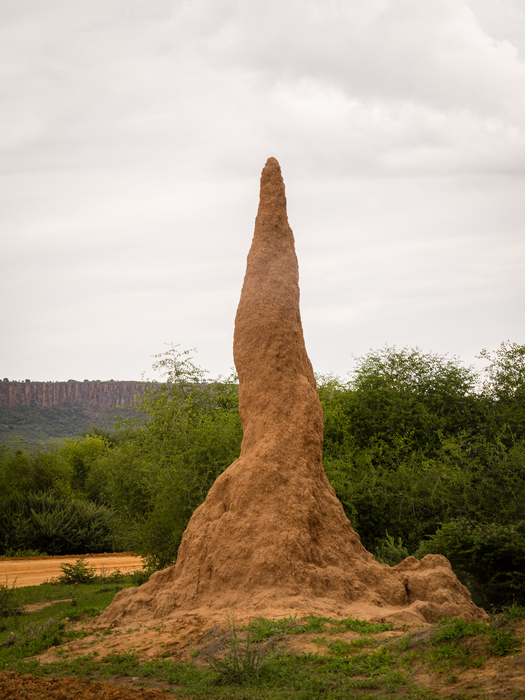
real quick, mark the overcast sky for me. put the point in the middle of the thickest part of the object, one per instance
(133, 134)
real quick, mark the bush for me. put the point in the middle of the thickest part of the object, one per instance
(244, 663)
(79, 572)
(8, 602)
(489, 558)
(54, 524)
(391, 553)
(21, 553)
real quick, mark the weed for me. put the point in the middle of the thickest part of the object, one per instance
(8, 600)
(503, 643)
(79, 572)
(261, 628)
(75, 615)
(453, 630)
(338, 647)
(447, 644)
(514, 612)
(362, 626)
(244, 662)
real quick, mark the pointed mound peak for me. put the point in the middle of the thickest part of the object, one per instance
(272, 195)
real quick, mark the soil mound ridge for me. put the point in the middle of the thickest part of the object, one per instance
(271, 537)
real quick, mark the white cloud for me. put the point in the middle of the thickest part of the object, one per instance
(132, 138)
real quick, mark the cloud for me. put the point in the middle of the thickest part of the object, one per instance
(133, 133)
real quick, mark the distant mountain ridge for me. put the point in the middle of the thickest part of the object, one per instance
(89, 394)
(36, 413)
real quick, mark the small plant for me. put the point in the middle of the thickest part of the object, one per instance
(244, 662)
(448, 641)
(453, 630)
(261, 628)
(514, 612)
(338, 647)
(362, 626)
(391, 552)
(504, 643)
(79, 572)
(15, 553)
(8, 603)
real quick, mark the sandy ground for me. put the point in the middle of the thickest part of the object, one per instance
(34, 571)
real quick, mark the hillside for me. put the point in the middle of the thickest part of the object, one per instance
(36, 412)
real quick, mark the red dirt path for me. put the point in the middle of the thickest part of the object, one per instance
(36, 570)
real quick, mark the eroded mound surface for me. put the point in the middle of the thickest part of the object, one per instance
(272, 538)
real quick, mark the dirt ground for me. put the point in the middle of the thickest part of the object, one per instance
(36, 570)
(199, 638)
(499, 678)
(14, 685)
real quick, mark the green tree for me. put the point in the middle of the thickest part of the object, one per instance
(185, 433)
(505, 386)
(410, 443)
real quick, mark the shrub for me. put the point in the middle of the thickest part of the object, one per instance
(79, 572)
(54, 524)
(8, 602)
(489, 558)
(391, 553)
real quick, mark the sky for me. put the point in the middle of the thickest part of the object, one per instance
(132, 138)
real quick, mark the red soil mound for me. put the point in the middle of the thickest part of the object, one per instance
(14, 685)
(272, 538)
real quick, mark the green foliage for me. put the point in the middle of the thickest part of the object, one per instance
(23, 472)
(453, 630)
(411, 443)
(31, 427)
(514, 612)
(54, 524)
(31, 633)
(489, 557)
(8, 600)
(399, 399)
(389, 552)
(79, 457)
(21, 553)
(79, 572)
(261, 628)
(504, 643)
(448, 641)
(505, 386)
(184, 435)
(244, 663)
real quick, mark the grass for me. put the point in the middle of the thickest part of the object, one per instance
(260, 628)
(355, 659)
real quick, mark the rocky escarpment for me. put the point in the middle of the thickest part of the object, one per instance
(99, 395)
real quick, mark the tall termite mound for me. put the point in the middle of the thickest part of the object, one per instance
(271, 534)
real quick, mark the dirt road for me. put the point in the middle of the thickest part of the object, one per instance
(36, 570)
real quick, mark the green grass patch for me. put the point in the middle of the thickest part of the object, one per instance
(454, 643)
(25, 634)
(258, 665)
(261, 628)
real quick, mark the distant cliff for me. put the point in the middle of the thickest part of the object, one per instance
(94, 395)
